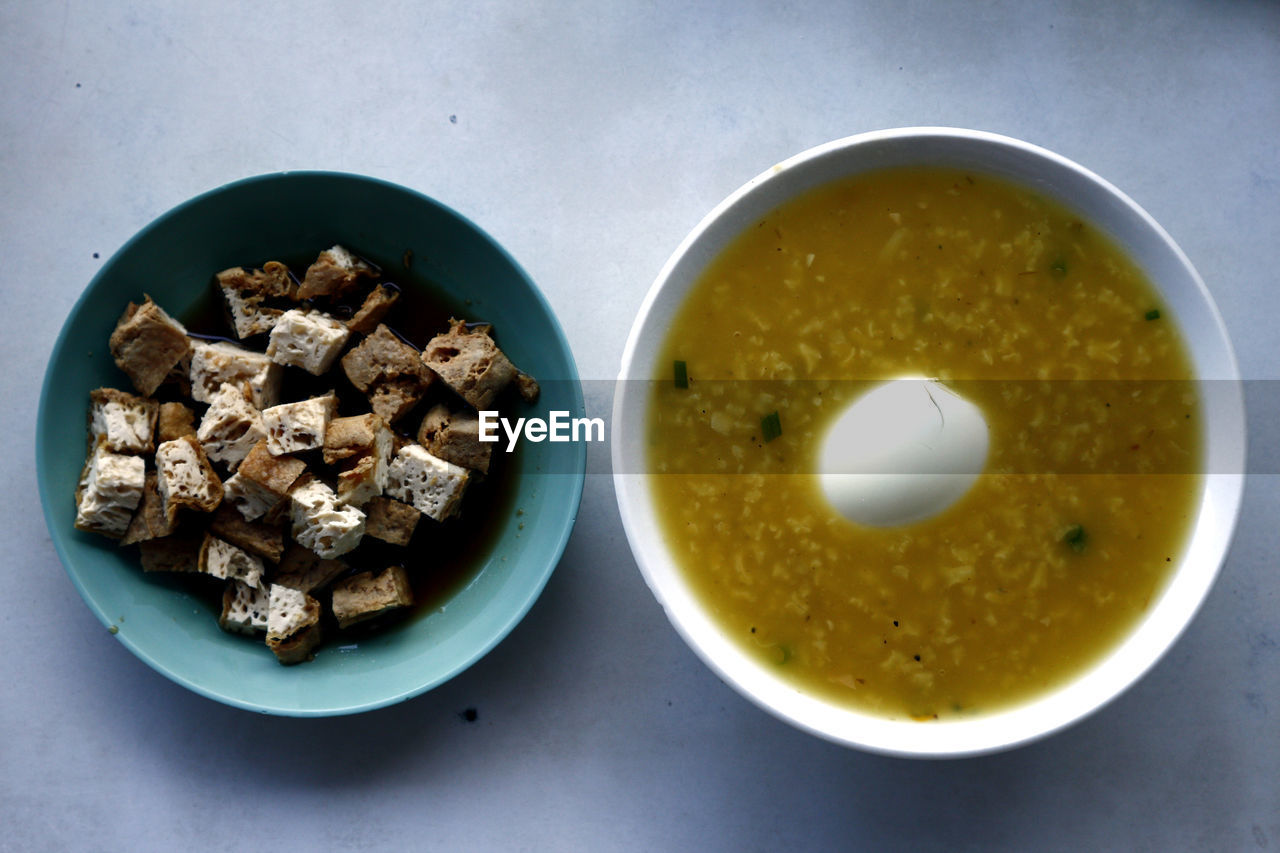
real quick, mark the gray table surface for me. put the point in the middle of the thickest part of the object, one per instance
(589, 137)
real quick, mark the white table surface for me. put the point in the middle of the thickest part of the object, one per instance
(588, 138)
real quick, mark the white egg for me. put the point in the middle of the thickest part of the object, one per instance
(902, 452)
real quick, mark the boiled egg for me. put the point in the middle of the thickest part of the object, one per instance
(904, 451)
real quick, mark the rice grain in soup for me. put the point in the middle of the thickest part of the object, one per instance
(1014, 302)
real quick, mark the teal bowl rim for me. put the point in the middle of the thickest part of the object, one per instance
(578, 450)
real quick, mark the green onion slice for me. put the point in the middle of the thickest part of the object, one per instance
(771, 426)
(1075, 537)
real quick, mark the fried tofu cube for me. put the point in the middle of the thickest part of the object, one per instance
(392, 399)
(223, 560)
(245, 292)
(369, 442)
(311, 340)
(263, 540)
(175, 420)
(321, 522)
(293, 624)
(375, 307)
(251, 499)
(390, 371)
(305, 570)
(244, 608)
(276, 473)
(124, 421)
(294, 427)
(469, 362)
(366, 595)
(433, 486)
(527, 387)
(455, 437)
(334, 272)
(352, 437)
(186, 478)
(231, 426)
(380, 356)
(111, 487)
(150, 521)
(262, 481)
(146, 344)
(213, 364)
(390, 520)
(364, 480)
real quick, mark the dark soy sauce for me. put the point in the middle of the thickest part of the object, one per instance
(442, 557)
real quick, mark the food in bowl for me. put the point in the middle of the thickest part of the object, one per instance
(288, 470)
(1200, 523)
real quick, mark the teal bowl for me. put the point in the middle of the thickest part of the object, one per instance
(294, 215)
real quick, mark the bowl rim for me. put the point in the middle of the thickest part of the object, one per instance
(524, 602)
(1126, 663)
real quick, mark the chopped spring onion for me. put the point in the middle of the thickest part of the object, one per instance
(771, 426)
(681, 374)
(1153, 314)
(1075, 537)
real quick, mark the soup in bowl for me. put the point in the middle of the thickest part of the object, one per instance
(929, 442)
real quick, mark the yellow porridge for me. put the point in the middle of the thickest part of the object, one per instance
(1018, 306)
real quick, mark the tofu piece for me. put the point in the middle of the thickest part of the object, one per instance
(311, 340)
(304, 570)
(251, 499)
(527, 387)
(111, 487)
(244, 608)
(171, 554)
(455, 437)
(375, 307)
(469, 362)
(263, 540)
(231, 426)
(245, 292)
(368, 440)
(390, 520)
(293, 427)
(334, 272)
(262, 481)
(364, 480)
(175, 420)
(382, 356)
(218, 362)
(124, 421)
(392, 399)
(352, 437)
(149, 521)
(293, 624)
(390, 371)
(322, 523)
(366, 595)
(221, 559)
(276, 473)
(146, 344)
(433, 486)
(186, 479)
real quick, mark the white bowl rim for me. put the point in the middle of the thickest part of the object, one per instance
(1206, 551)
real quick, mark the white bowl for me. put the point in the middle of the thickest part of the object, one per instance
(1181, 289)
